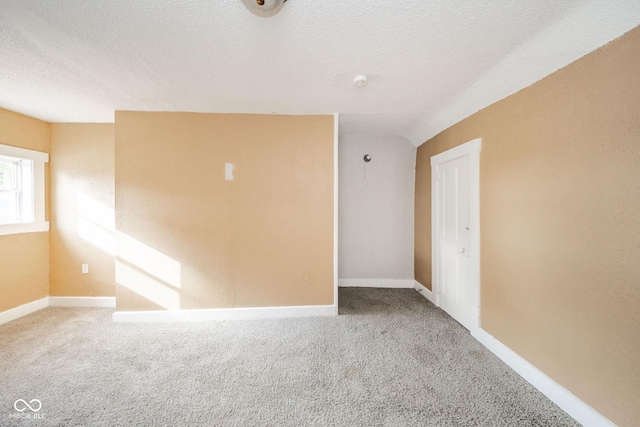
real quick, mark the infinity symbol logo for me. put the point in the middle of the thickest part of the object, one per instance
(21, 403)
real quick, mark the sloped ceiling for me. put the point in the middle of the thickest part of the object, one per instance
(430, 63)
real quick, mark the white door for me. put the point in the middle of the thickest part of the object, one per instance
(453, 229)
(455, 233)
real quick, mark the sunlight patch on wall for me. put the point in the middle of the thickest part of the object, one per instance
(96, 223)
(139, 267)
(97, 212)
(146, 286)
(150, 260)
(97, 236)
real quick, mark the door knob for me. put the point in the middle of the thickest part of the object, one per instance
(462, 250)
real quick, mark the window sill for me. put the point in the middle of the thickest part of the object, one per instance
(31, 227)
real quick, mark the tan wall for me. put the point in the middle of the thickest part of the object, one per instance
(23, 131)
(24, 269)
(560, 252)
(82, 216)
(24, 264)
(422, 219)
(190, 239)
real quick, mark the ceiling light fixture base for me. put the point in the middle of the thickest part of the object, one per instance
(264, 8)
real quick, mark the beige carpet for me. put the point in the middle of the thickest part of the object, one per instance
(390, 359)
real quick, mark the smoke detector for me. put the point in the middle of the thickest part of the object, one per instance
(360, 80)
(264, 8)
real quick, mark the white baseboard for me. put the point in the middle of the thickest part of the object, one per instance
(249, 313)
(108, 302)
(375, 283)
(426, 292)
(559, 395)
(22, 310)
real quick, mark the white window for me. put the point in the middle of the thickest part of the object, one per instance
(22, 190)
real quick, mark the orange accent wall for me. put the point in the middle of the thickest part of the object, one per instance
(188, 238)
(82, 209)
(560, 227)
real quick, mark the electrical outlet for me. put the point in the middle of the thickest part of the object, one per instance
(85, 268)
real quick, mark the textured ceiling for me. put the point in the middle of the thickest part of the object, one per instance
(430, 62)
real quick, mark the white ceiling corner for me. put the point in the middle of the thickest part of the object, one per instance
(429, 63)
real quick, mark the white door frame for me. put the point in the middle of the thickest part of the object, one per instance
(471, 149)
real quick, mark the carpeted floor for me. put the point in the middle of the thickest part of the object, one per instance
(390, 359)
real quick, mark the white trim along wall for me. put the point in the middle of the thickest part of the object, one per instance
(169, 315)
(249, 313)
(559, 395)
(336, 129)
(23, 310)
(33, 306)
(376, 283)
(105, 302)
(426, 293)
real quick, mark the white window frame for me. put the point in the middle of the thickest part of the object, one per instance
(32, 196)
